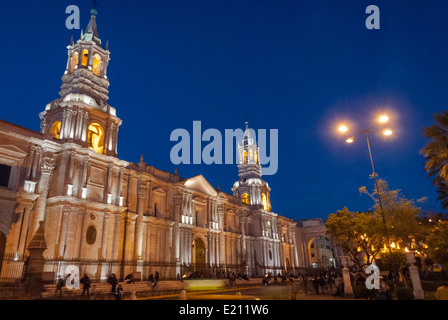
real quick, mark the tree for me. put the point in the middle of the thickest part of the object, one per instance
(435, 153)
(438, 244)
(401, 224)
(363, 235)
(357, 234)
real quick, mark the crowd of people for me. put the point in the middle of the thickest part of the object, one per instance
(320, 282)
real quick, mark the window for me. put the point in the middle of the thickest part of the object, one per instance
(5, 172)
(245, 198)
(85, 57)
(245, 156)
(96, 64)
(264, 201)
(96, 137)
(74, 61)
(55, 129)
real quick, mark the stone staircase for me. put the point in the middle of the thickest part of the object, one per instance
(141, 289)
(102, 290)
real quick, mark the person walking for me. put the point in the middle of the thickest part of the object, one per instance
(59, 285)
(156, 278)
(322, 284)
(85, 284)
(316, 284)
(119, 295)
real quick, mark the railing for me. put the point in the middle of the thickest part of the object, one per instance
(13, 268)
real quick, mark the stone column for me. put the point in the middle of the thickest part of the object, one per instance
(63, 232)
(141, 194)
(47, 166)
(177, 204)
(222, 248)
(346, 276)
(415, 277)
(25, 219)
(79, 233)
(106, 218)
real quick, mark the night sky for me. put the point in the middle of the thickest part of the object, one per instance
(301, 67)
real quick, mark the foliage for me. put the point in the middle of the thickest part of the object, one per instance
(400, 215)
(356, 233)
(393, 260)
(435, 153)
(361, 292)
(404, 293)
(438, 244)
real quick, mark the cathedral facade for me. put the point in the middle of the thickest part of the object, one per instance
(108, 215)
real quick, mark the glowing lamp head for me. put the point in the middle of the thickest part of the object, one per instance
(384, 119)
(350, 140)
(387, 132)
(343, 128)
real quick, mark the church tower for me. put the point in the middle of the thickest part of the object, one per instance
(82, 115)
(250, 187)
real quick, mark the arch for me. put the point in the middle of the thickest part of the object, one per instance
(85, 57)
(245, 156)
(256, 157)
(320, 252)
(245, 198)
(95, 137)
(74, 61)
(55, 129)
(198, 254)
(96, 68)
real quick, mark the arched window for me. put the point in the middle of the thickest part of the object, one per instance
(74, 61)
(96, 69)
(264, 201)
(245, 156)
(256, 157)
(85, 57)
(55, 129)
(245, 198)
(95, 137)
(251, 157)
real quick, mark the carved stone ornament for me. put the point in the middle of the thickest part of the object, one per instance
(48, 164)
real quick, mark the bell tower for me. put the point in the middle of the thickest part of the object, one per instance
(82, 115)
(250, 187)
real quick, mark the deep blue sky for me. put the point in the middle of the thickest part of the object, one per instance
(296, 66)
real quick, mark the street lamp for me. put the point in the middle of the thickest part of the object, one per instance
(387, 132)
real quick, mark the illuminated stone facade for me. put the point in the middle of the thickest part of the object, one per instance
(107, 215)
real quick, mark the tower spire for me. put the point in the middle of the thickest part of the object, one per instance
(91, 33)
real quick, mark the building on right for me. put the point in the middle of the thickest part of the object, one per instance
(315, 248)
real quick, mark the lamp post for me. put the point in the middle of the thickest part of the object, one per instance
(386, 132)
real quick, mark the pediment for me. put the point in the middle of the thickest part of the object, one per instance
(12, 152)
(159, 191)
(201, 185)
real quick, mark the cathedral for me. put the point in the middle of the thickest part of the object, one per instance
(107, 215)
